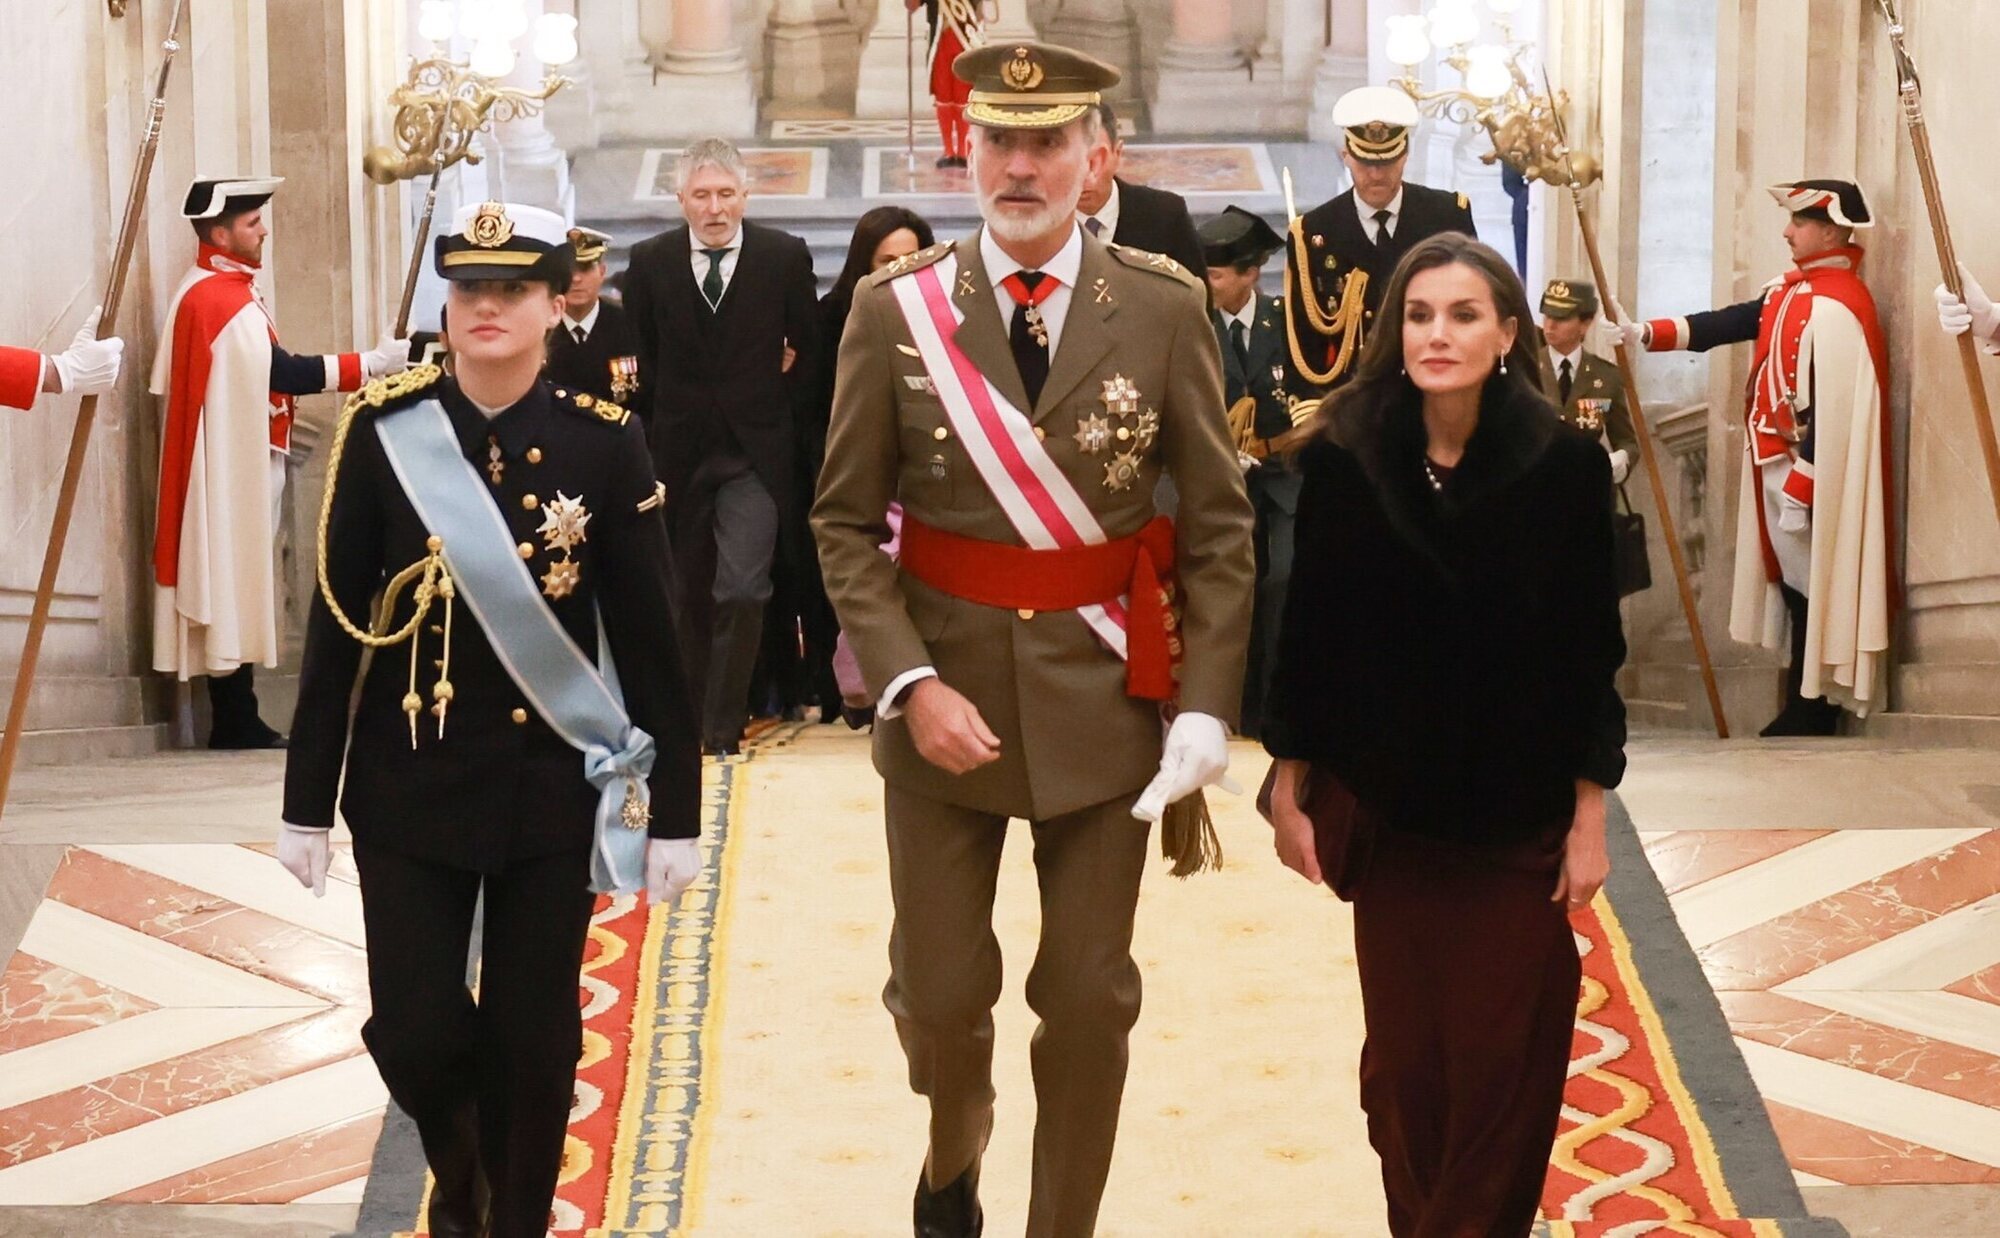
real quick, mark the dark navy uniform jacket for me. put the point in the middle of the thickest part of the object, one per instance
(587, 366)
(500, 785)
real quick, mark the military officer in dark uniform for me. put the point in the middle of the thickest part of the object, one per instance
(1250, 328)
(512, 529)
(1344, 250)
(1589, 389)
(594, 349)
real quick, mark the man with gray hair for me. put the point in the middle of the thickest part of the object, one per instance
(725, 314)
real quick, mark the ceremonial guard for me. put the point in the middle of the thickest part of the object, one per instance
(1041, 619)
(594, 349)
(230, 391)
(1812, 530)
(89, 365)
(1588, 389)
(956, 26)
(530, 749)
(1249, 327)
(1344, 250)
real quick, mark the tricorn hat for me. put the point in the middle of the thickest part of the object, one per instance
(1377, 121)
(1031, 85)
(1569, 299)
(505, 240)
(1829, 201)
(210, 197)
(1236, 236)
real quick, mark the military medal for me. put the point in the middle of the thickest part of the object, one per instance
(562, 530)
(561, 578)
(937, 468)
(635, 813)
(1148, 429)
(496, 464)
(1121, 397)
(1036, 326)
(624, 378)
(1121, 471)
(1093, 433)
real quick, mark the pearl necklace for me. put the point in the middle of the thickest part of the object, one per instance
(1437, 483)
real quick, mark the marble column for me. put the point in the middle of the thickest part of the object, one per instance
(704, 87)
(1342, 66)
(894, 51)
(1203, 75)
(1105, 29)
(811, 70)
(1272, 100)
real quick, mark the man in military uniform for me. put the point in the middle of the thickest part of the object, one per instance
(1344, 250)
(1041, 617)
(523, 735)
(1588, 389)
(594, 349)
(1812, 532)
(1249, 328)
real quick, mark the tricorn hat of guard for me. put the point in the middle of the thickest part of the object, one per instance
(1237, 236)
(212, 197)
(1376, 122)
(505, 240)
(1031, 85)
(1565, 298)
(1829, 201)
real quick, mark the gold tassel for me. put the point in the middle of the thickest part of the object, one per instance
(1188, 838)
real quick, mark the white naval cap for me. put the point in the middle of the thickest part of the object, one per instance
(1377, 121)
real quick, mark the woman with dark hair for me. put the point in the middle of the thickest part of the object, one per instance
(798, 660)
(1444, 710)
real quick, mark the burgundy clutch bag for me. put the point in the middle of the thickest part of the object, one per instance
(1343, 835)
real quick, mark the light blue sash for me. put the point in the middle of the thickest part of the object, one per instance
(579, 703)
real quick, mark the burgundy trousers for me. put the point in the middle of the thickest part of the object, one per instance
(1469, 979)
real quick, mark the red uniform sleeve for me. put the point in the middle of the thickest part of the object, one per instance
(20, 377)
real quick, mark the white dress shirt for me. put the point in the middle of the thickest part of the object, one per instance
(734, 246)
(1247, 315)
(1064, 269)
(1107, 216)
(1575, 360)
(1367, 214)
(588, 322)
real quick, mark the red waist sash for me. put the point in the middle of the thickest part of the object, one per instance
(1139, 567)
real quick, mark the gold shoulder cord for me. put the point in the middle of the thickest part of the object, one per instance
(432, 578)
(1344, 322)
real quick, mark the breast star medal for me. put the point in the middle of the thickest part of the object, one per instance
(1148, 429)
(561, 578)
(1121, 397)
(1121, 471)
(563, 530)
(1093, 433)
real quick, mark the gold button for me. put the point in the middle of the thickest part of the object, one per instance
(940, 434)
(560, 393)
(534, 455)
(1025, 613)
(1124, 432)
(526, 550)
(1040, 434)
(519, 715)
(530, 502)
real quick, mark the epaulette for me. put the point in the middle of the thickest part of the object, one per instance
(912, 262)
(394, 388)
(590, 406)
(1159, 264)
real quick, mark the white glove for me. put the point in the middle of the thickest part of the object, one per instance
(1622, 328)
(1976, 313)
(1196, 756)
(90, 364)
(1246, 461)
(1621, 465)
(389, 356)
(305, 853)
(1793, 516)
(672, 864)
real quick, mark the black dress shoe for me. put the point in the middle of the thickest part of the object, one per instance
(722, 749)
(240, 741)
(950, 1211)
(461, 1200)
(1801, 717)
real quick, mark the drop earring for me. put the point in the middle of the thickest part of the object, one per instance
(1503, 363)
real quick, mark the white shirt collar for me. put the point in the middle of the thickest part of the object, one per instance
(1107, 215)
(695, 243)
(1065, 266)
(588, 322)
(1367, 212)
(1247, 315)
(1556, 359)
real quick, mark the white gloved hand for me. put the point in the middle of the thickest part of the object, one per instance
(1196, 755)
(1976, 313)
(1793, 516)
(1621, 327)
(89, 364)
(1621, 466)
(305, 853)
(1246, 461)
(391, 355)
(672, 864)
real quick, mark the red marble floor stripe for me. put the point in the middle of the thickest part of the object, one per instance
(1686, 858)
(1983, 985)
(1797, 942)
(1887, 1052)
(276, 1173)
(1854, 1156)
(40, 1002)
(121, 1102)
(210, 925)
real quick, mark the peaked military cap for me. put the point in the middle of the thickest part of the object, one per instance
(1829, 201)
(1564, 299)
(1377, 121)
(589, 245)
(1031, 85)
(505, 240)
(211, 197)
(1236, 236)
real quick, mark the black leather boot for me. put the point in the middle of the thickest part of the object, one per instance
(950, 1211)
(234, 723)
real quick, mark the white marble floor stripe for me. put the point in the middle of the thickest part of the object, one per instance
(1805, 1179)
(1797, 878)
(146, 967)
(252, 879)
(1941, 1016)
(129, 1044)
(348, 1192)
(176, 1144)
(1933, 955)
(1960, 1128)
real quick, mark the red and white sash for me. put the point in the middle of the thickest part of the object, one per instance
(1044, 508)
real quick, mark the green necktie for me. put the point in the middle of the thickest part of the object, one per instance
(711, 283)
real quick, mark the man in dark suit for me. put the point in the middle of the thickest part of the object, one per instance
(1344, 250)
(1249, 327)
(725, 315)
(1136, 216)
(594, 349)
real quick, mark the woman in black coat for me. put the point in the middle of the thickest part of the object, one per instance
(1447, 656)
